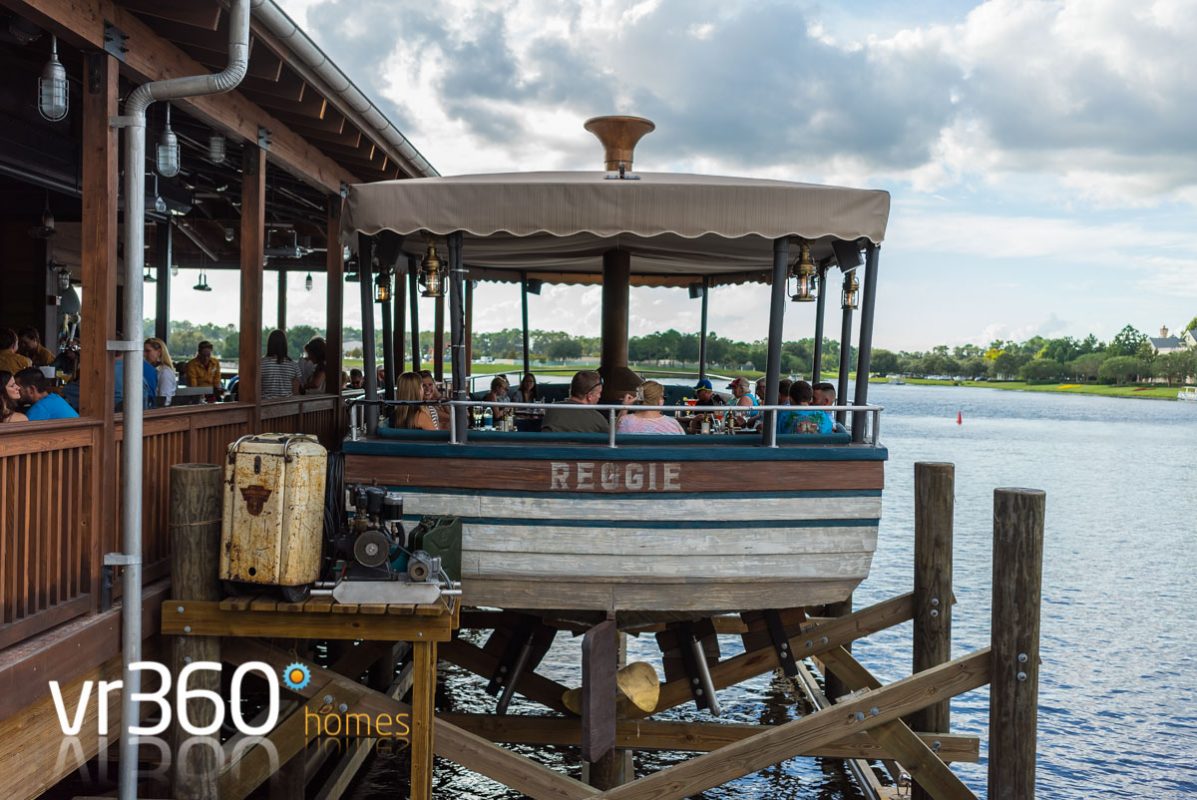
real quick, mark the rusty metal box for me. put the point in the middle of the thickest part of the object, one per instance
(273, 526)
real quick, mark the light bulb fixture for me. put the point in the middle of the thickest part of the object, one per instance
(382, 287)
(430, 273)
(804, 274)
(216, 148)
(174, 270)
(53, 95)
(202, 285)
(159, 203)
(229, 234)
(307, 282)
(149, 276)
(47, 228)
(851, 288)
(168, 150)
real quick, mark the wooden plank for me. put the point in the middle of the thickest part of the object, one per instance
(263, 603)
(81, 24)
(401, 609)
(934, 503)
(318, 605)
(464, 748)
(207, 619)
(696, 737)
(686, 563)
(38, 437)
(199, 13)
(862, 713)
(344, 608)
(531, 685)
(372, 608)
(253, 242)
(345, 135)
(581, 475)
(600, 653)
(422, 711)
(289, 86)
(783, 539)
(310, 106)
(334, 311)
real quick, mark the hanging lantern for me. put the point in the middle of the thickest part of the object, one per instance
(174, 270)
(216, 148)
(805, 276)
(47, 228)
(307, 282)
(202, 285)
(168, 150)
(430, 273)
(351, 272)
(53, 96)
(382, 287)
(149, 276)
(851, 288)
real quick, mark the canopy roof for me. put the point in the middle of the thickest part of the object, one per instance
(556, 225)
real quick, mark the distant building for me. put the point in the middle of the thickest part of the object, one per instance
(1169, 344)
(1189, 339)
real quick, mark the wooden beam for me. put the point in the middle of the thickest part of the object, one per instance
(186, 34)
(289, 87)
(253, 242)
(81, 24)
(335, 269)
(464, 748)
(207, 618)
(262, 63)
(696, 737)
(310, 106)
(198, 13)
(348, 136)
(333, 121)
(423, 711)
(862, 712)
(531, 685)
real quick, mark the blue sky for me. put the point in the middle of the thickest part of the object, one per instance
(1042, 156)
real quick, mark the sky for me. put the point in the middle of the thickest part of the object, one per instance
(1041, 156)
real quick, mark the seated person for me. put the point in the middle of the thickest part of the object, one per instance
(204, 370)
(803, 421)
(527, 391)
(498, 394)
(783, 391)
(37, 390)
(10, 399)
(412, 417)
(705, 392)
(10, 359)
(743, 397)
(650, 420)
(432, 394)
(584, 390)
(30, 346)
(357, 379)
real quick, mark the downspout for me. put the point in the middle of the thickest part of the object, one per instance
(131, 457)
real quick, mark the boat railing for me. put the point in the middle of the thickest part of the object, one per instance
(768, 434)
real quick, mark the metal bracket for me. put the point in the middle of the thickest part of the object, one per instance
(123, 122)
(781, 644)
(263, 138)
(116, 41)
(694, 661)
(121, 560)
(119, 346)
(344, 190)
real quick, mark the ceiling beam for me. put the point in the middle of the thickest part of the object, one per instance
(262, 63)
(332, 122)
(288, 87)
(199, 13)
(350, 137)
(311, 105)
(80, 23)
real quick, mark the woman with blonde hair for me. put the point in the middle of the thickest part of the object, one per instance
(158, 356)
(650, 420)
(412, 417)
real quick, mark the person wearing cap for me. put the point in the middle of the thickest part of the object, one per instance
(743, 396)
(204, 370)
(705, 392)
(584, 390)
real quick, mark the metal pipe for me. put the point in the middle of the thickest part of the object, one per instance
(845, 355)
(700, 665)
(865, 354)
(133, 121)
(777, 310)
(611, 427)
(365, 274)
(702, 338)
(820, 312)
(457, 277)
(524, 310)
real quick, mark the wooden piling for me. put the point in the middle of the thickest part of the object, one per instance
(934, 502)
(1014, 691)
(195, 514)
(600, 655)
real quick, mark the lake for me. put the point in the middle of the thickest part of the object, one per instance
(1118, 684)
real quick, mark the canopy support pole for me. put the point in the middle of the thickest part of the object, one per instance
(400, 323)
(524, 310)
(413, 268)
(163, 243)
(702, 337)
(845, 356)
(365, 274)
(438, 337)
(613, 363)
(388, 341)
(457, 274)
(282, 299)
(816, 371)
(777, 310)
(469, 327)
(865, 355)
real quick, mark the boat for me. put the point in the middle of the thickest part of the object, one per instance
(633, 525)
(1188, 394)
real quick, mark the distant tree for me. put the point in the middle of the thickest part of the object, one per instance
(973, 367)
(1087, 366)
(1005, 365)
(1062, 350)
(1122, 369)
(229, 346)
(1127, 342)
(1041, 370)
(1172, 367)
(937, 363)
(355, 352)
(884, 362)
(564, 349)
(1192, 326)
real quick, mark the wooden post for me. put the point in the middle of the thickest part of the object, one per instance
(334, 337)
(617, 265)
(282, 299)
(422, 696)
(934, 499)
(600, 656)
(413, 288)
(96, 366)
(438, 338)
(195, 513)
(253, 227)
(469, 328)
(1014, 632)
(163, 255)
(398, 330)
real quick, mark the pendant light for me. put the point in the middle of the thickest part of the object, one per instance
(168, 150)
(430, 273)
(804, 275)
(851, 288)
(53, 95)
(149, 275)
(307, 282)
(217, 148)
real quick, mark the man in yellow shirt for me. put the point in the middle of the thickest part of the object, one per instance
(10, 359)
(30, 345)
(204, 370)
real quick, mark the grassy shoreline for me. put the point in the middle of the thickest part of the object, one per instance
(1148, 391)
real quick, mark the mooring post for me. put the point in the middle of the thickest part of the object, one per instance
(1014, 633)
(195, 513)
(934, 502)
(600, 655)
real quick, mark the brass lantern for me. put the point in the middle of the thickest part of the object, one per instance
(851, 288)
(382, 287)
(805, 276)
(431, 277)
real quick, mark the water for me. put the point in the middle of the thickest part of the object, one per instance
(1118, 684)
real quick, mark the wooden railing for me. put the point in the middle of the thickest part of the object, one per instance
(52, 534)
(49, 554)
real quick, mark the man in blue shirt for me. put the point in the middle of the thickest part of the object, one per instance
(803, 420)
(36, 389)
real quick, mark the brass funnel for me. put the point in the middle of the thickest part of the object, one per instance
(619, 136)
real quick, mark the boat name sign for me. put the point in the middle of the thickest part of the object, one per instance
(609, 476)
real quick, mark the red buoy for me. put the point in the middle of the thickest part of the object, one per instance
(959, 418)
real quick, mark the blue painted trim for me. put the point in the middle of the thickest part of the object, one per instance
(661, 524)
(521, 450)
(795, 494)
(642, 440)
